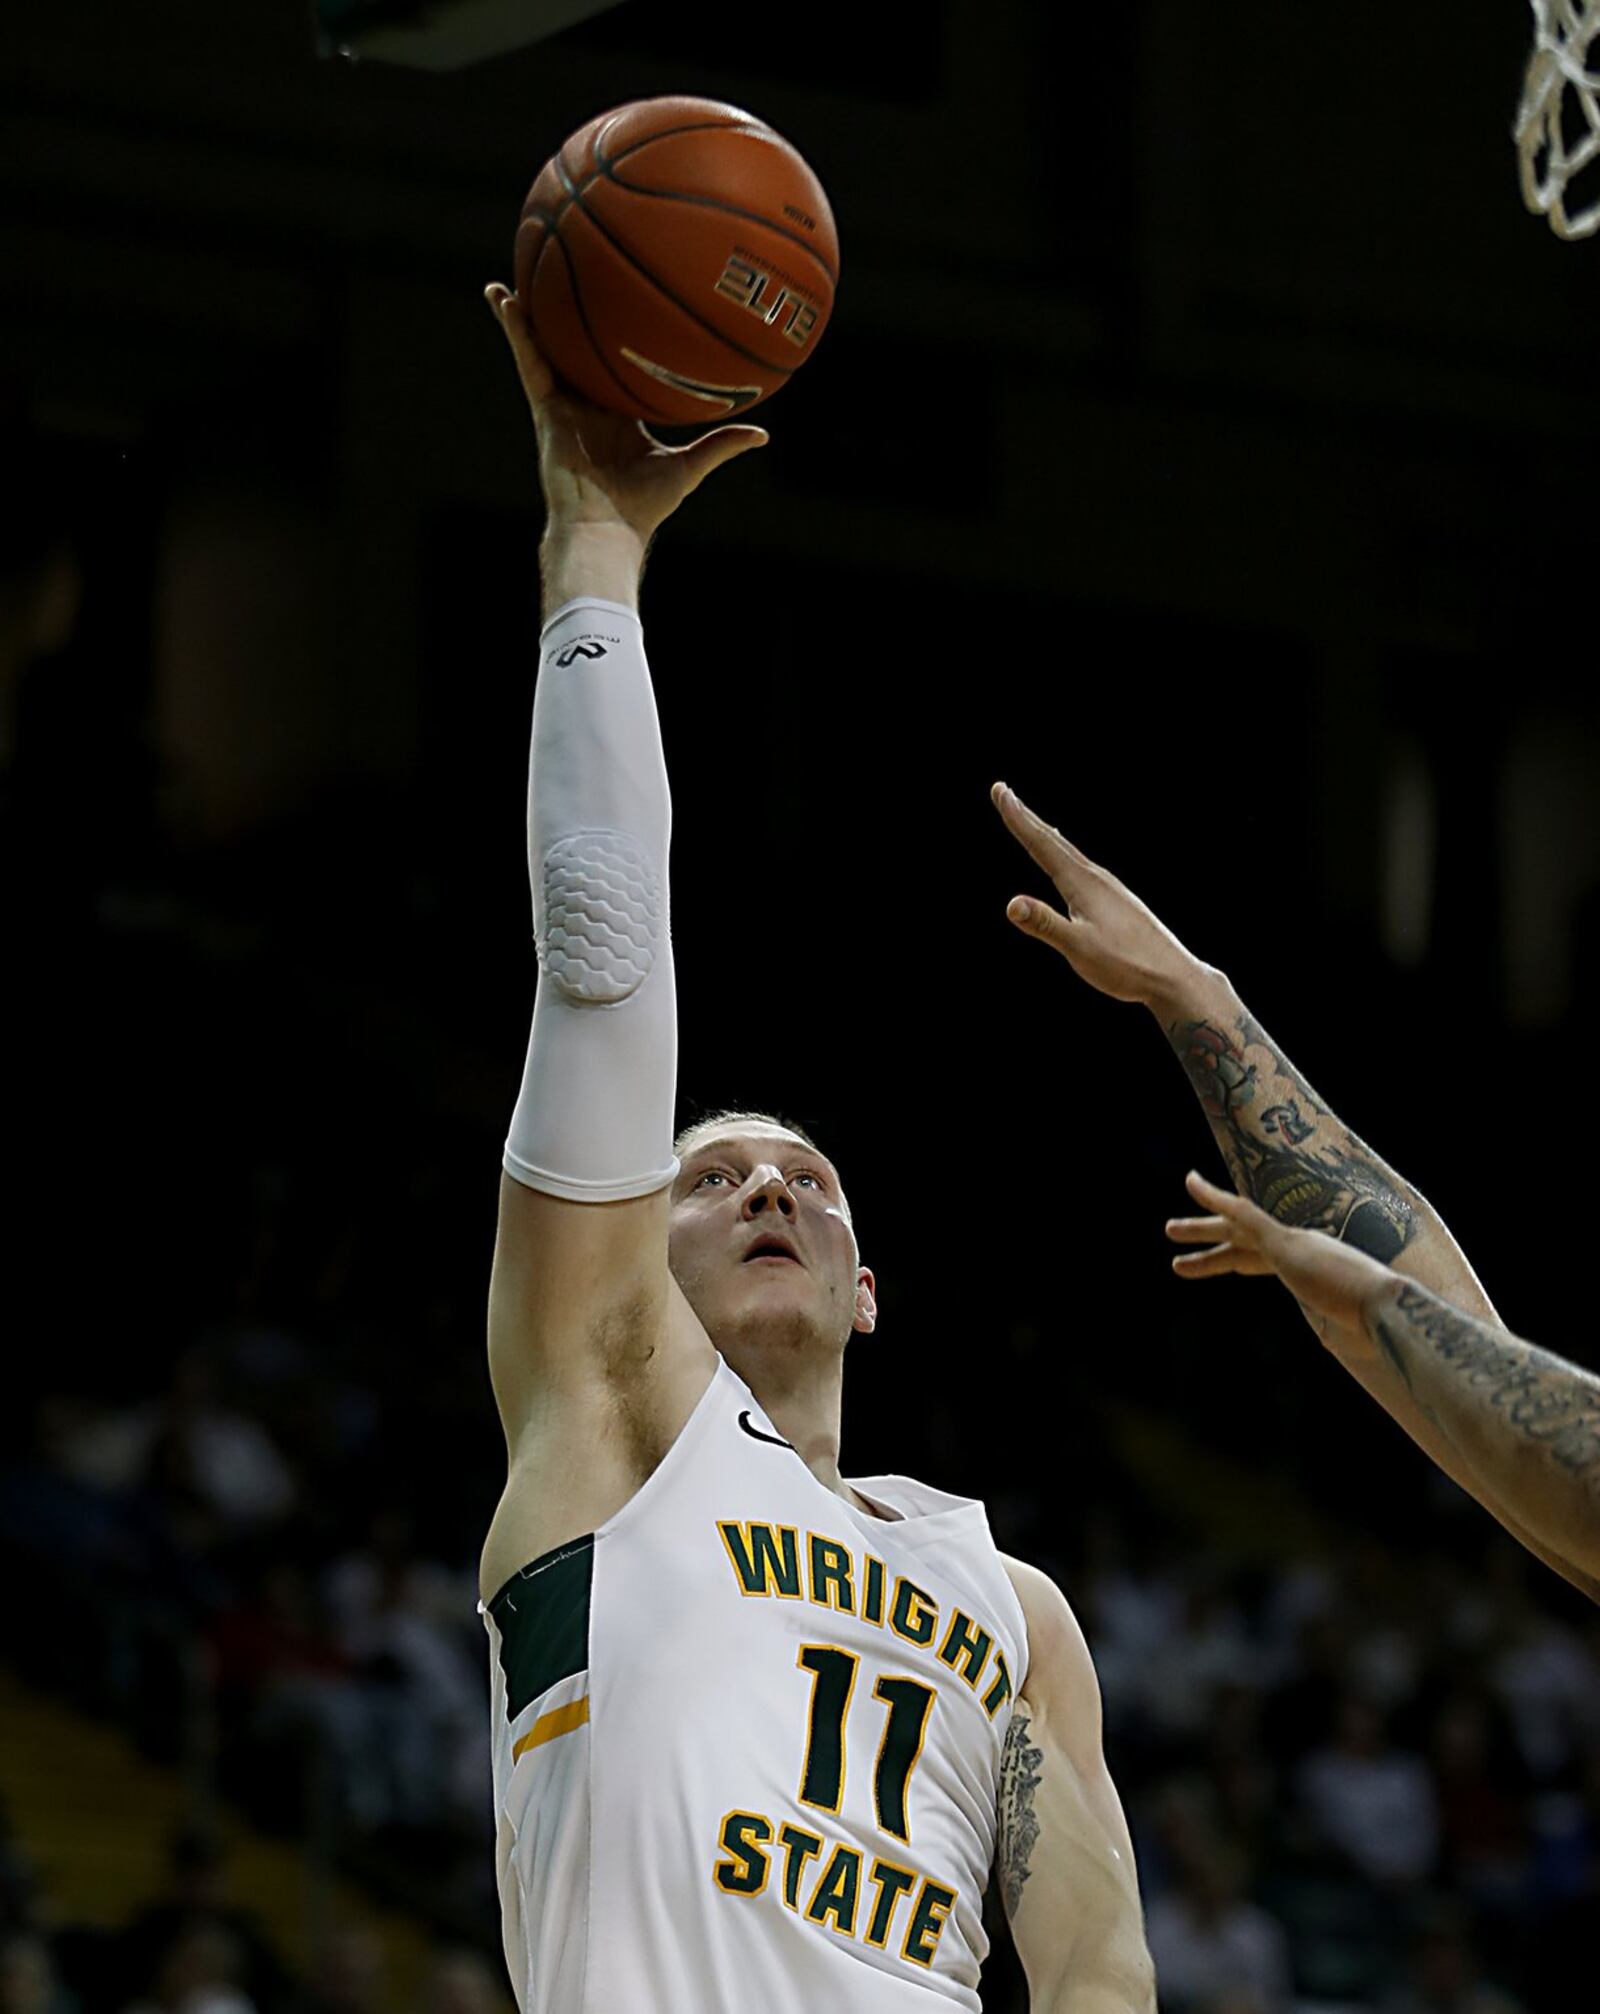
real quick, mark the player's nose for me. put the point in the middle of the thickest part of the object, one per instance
(767, 1192)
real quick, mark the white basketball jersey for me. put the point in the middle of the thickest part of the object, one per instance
(748, 1738)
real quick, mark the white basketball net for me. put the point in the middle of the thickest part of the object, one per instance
(1564, 32)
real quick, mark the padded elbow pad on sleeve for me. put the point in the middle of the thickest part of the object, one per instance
(593, 1122)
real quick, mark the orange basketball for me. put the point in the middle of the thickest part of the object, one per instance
(676, 260)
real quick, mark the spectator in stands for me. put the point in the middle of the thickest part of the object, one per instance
(398, 1619)
(1480, 1788)
(1134, 1609)
(196, 1893)
(192, 1441)
(1244, 1785)
(350, 1977)
(1374, 1803)
(1209, 1649)
(1301, 1712)
(1207, 1939)
(461, 1983)
(289, 1698)
(28, 1983)
(1545, 1676)
(1444, 1974)
(199, 1973)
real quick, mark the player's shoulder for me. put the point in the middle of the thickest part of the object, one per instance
(1041, 1598)
(1061, 1675)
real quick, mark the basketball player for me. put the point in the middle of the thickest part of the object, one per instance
(760, 1731)
(1376, 1273)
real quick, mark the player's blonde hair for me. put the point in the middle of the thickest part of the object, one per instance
(715, 1121)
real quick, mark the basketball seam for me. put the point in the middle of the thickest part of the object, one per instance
(761, 363)
(728, 210)
(559, 163)
(531, 210)
(704, 126)
(608, 164)
(606, 365)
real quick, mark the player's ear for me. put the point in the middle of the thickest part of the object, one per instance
(866, 1303)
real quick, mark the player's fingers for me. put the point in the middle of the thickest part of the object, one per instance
(1055, 853)
(538, 380)
(712, 450)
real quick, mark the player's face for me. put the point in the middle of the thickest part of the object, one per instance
(761, 1239)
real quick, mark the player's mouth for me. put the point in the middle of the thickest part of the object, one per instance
(771, 1250)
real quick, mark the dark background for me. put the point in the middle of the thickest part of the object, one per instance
(1202, 442)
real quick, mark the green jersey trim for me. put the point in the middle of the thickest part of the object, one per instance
(542, 1614)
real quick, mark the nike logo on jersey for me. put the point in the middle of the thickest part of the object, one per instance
(755, 1433)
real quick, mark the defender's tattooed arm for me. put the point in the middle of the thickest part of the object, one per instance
(1283, 1146)
(1287, 1152)
(1524, 1421)
(1519, 1427)
(1063, 1858)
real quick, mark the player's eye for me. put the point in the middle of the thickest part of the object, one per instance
(710, 1175)
(805, 1175)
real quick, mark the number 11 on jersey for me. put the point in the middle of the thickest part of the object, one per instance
(833, 1680)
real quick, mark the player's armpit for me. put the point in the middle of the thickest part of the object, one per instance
(597, 1361)
(1064, 1859)
(578, 1292)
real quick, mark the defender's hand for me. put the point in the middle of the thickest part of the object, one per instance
(599, 468)
(1107, 935)
(1334, 1284)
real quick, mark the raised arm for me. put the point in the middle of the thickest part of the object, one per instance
(594, 1355)
(1522, 1426)
(1285, 1149)
(1287, 1152)
(1064, 1861)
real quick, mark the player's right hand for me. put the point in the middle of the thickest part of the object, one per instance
(600, 468)
(1335, 1284)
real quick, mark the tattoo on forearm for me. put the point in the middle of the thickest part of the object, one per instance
(1020, 1764)
(1549, 1403)
(1277, 1160)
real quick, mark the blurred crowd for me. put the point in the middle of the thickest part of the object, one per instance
(192, 1950)
(1367, 1782)
(174, 1577)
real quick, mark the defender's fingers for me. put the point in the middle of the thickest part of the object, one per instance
(1037, 919)
(1198, 1230)
(1223, 1201)
(1220, 1259)
(1216, 1259)
(1055, 853)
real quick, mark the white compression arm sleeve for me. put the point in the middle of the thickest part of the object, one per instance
(593, 1122)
